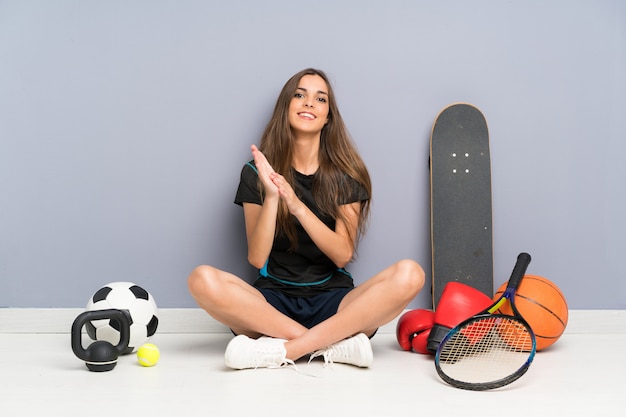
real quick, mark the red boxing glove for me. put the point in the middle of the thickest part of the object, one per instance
(458, 302)
(413, 329)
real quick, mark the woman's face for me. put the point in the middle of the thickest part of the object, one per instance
(308, 109)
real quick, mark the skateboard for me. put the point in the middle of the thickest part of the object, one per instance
(460, 190)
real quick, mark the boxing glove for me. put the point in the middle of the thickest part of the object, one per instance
(413, 329)
(458, 302)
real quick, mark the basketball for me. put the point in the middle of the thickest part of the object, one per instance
(515, 335)
(542, 305)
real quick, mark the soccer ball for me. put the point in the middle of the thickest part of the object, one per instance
(139, 305)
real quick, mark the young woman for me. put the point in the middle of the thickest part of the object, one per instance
(306, 198)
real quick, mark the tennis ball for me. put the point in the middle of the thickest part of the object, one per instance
(148, 354)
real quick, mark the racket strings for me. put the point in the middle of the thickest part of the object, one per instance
(486, 350)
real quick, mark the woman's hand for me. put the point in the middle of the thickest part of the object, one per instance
(275, 184)
(337, 244)
(295, 206)
(265, 171)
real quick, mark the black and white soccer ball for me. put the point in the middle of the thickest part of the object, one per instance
(139, 305)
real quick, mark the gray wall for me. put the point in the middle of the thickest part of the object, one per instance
(124, 124)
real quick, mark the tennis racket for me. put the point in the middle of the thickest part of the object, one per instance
(489, 350)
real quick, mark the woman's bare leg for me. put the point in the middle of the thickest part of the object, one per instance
(235, 303)
(370, 305)
(232, 301)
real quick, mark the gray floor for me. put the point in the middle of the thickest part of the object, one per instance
(41, 377)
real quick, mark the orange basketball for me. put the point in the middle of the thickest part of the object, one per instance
(542, 305)
(515, 335)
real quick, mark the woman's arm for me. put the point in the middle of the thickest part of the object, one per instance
(260, 229)
(338, 244)
(261, 219)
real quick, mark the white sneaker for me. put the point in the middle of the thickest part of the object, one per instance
(356, 350)
(243, 352)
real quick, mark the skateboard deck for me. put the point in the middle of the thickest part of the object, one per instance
(460, 187)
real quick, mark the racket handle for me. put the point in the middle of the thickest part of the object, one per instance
(523, 259)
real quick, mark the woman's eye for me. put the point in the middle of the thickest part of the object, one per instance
(298, 95)
(322, 99)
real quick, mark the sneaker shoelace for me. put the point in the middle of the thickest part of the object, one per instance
(285, 362)
(282, 362)
(326, 353)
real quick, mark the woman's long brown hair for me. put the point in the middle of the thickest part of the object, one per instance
(338, 157)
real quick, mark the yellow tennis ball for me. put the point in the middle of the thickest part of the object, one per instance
(148, 354)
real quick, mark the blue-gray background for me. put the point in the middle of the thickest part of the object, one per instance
(124, 124)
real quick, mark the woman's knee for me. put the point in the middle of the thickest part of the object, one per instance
(201, 280)
(410, 276)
